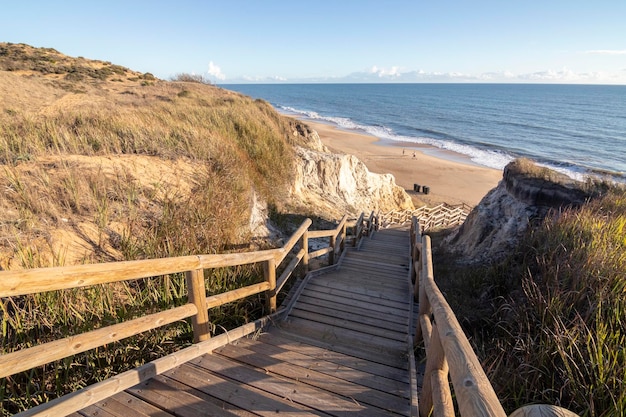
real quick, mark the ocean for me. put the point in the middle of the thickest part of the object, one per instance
(579, 130)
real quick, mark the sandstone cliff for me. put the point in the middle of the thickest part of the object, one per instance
(525, 195)
(331, 185)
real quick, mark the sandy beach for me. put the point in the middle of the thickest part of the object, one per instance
(452, 179)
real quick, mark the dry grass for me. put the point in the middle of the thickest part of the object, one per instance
(100, 163)
(549, 321)
(224, 144)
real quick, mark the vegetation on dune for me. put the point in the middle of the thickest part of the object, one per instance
(133, 167)
(235, 144)
(549, 321)
(136, 167)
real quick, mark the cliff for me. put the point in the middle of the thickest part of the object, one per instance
(524, 196)
(332, 185)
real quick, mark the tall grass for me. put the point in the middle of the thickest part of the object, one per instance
(552, 327)
(218, 145)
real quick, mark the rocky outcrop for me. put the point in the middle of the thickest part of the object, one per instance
(331, 185)
(525, 195)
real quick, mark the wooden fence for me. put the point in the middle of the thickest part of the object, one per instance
(449, 355)
(25, 282)
(442, 215)
(448, 352)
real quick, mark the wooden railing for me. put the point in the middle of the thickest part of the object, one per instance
(442, 215)
(25, 282)
(449, 355)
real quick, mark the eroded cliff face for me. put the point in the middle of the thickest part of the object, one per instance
(331, 185)
(524, 195)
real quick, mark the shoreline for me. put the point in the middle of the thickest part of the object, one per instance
(452, 178)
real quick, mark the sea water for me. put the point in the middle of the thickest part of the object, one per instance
(576, 129)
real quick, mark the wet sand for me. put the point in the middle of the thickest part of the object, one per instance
(452, 178)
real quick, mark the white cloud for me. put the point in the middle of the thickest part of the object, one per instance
(382, 72)
(258, 79)
(607, 52)
(394, 74)
(215, 71)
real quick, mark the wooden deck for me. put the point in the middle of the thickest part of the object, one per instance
(342, 350)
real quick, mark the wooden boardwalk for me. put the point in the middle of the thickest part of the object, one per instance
(342, 350)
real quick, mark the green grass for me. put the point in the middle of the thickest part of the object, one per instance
(549, 321)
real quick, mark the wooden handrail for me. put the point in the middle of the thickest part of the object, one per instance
(25, 359)
(99, 391)
(442, 215)
(24, 282)
(449, 351)
(31, 281)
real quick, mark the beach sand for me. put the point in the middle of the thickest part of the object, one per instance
(452, 178)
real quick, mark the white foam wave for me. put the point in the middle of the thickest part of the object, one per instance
(484, 157)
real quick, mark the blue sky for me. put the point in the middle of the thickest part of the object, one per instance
(234, 41)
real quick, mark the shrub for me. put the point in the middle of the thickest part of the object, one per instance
(191, 78)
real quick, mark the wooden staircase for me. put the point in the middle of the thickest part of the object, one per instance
(342, 349)
(342, 344)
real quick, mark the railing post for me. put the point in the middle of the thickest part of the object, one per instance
(331, 254)
(196, 293)
(342, 245)
(304, 244)
(436, 388)
(269, 271)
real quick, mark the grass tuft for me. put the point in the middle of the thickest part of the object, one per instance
(549, 321)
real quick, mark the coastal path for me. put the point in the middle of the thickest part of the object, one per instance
(341, 342)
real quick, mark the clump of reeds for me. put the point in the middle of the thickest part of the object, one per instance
(551, 326)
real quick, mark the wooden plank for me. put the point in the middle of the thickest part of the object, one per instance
(394, 247)
(289, 269)
(353, 263)
(378, 297)
(296, 392)
(183, 400)
(379, 316)
(389, 291)
(368, 259)
(303, 230)
(124, 405)
(336, 369)
(373, 348)
(362, 394)
(30, 281)
(346, 291)
(396, 251)
(104, 389)
(371, 281)
(21, 360)
(393, 316)
(234, 295)
(352, 358)
(398, 269)
(351, 321)
(236, 394)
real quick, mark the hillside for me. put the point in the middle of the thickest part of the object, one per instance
(98, 160)
(102, 163)
(536, 275)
